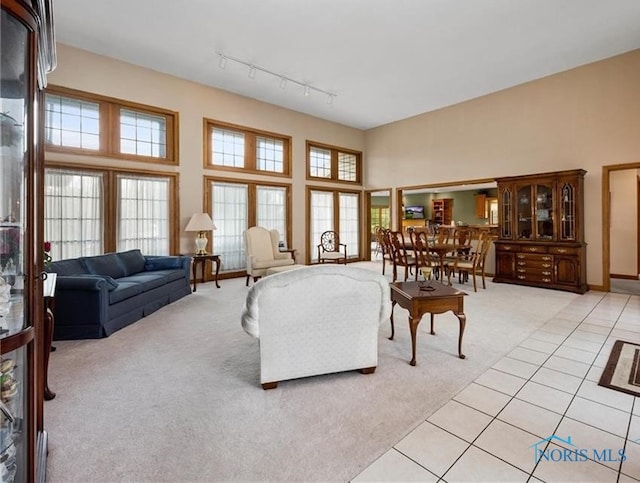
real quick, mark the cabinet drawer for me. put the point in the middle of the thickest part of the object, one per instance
(544, 264)
(534, 257)
(533, 249)
(534, 277)
(564, 250)
(546, 272)
(506, 248)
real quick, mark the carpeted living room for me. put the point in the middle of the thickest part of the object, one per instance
(208, 209)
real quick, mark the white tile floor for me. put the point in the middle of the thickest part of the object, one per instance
(546, 386)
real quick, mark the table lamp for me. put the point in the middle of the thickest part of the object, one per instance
(200, 222)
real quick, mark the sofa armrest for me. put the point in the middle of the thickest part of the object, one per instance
(81, 299)
(168, 262)
(85, 282)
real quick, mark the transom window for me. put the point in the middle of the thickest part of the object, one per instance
(72, 122)
(228, 148)
(143, 134)
(333, 163)
(320, 162)
(238, 148)
(81, 122)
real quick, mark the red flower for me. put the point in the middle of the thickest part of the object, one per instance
(47, 246)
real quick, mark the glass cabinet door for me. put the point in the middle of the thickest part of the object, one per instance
(567, 211)
(525, 212)
(13, 419)
(13, 165)
(16, 333)
(544, 212)
(506, 213)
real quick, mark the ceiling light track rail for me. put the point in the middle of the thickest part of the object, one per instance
(284, 80)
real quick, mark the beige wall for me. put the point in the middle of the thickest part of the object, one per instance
(83, 70)
(583, 118)
(624, 222)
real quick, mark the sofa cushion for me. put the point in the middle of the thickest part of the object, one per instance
(170, 275)
(124, 291)
(132, 261)
(163, 263)
(148, 280)
(73, 266)
(105, 265)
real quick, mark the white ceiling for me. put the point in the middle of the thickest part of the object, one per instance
(385, 60)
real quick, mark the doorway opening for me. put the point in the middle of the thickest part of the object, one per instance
(621, 228)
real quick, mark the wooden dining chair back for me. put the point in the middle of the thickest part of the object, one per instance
(382, 237)
(473, 264)
(425, 263)
(402, 255)
(442, 235)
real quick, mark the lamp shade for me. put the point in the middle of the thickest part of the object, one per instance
(200, 222)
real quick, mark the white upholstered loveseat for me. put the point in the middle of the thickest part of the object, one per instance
(316, 320)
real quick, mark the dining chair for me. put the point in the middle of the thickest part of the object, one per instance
(382, 237)
(425, 263)
(461, 247)
(474, 263)
(402, 255)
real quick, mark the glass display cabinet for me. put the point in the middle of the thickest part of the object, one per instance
(541, 239)
(27, 55)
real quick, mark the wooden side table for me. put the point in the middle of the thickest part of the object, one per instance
(290, 250)
(202, 260)
(419, 302)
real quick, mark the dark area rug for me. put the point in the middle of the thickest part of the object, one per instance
(622, 372)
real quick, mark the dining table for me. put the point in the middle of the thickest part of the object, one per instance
(441, 249)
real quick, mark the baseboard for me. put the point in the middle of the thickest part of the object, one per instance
(626, 277)
(597, 288)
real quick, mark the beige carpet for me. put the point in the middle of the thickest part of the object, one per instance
(176, 396)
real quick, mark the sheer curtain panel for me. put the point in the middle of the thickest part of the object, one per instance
(143, 214)
(73, 213)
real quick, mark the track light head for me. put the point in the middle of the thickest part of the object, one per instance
(222, 62)
(306, 90)
(252, 72)
(283, 82)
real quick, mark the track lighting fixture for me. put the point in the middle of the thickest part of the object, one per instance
(307, 88)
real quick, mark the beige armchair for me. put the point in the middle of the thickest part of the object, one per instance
(262, 252)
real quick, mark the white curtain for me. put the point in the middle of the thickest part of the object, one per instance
(73, 213)
(271, 210)
(230, 212)
(350, 223)
(321, 219)
(143, 214)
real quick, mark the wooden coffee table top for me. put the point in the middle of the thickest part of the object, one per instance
(412, 290)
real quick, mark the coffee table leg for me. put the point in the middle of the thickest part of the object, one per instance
(413, 327)
(432, 332)
(393, 330)
(463, 321)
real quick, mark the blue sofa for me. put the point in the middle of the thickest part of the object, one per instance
(96, 296)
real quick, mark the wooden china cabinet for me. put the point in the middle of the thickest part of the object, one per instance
(27, 54)
(541, 231)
